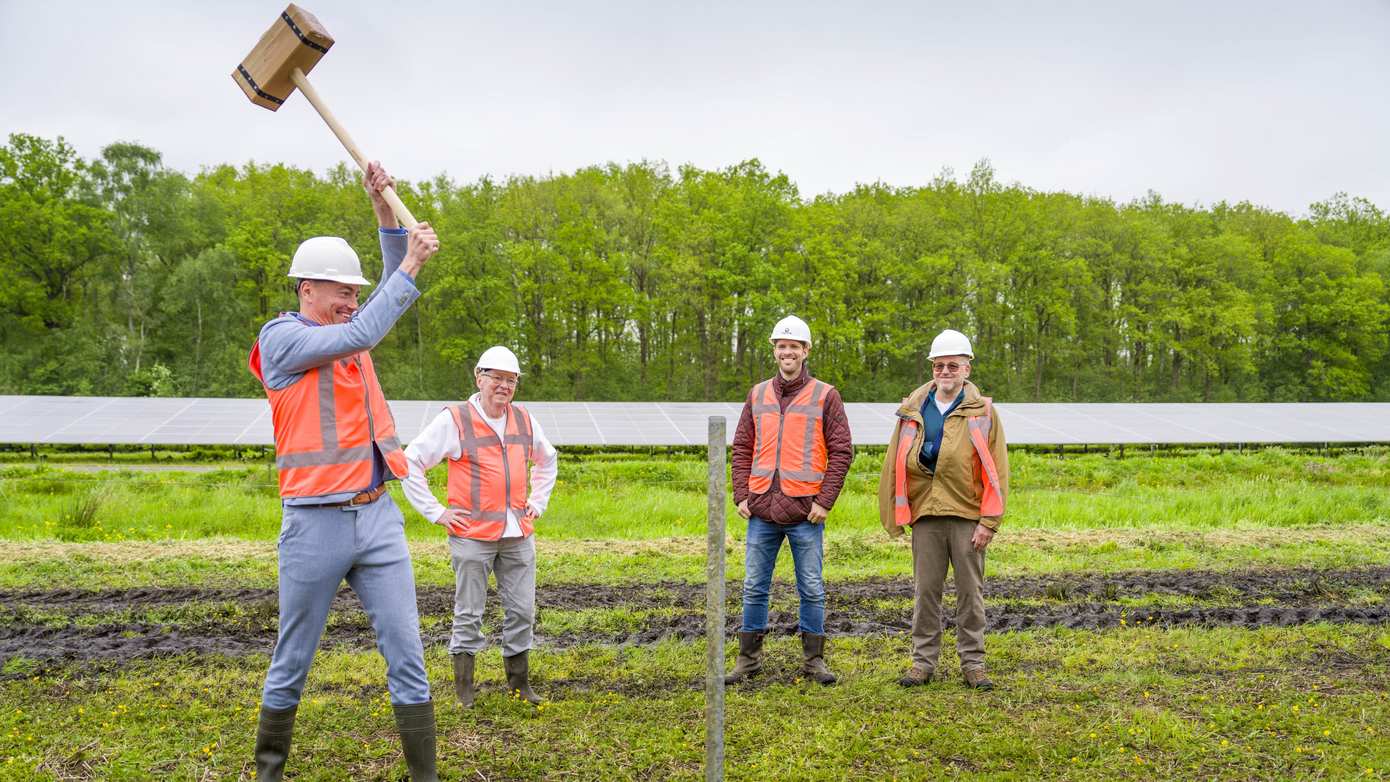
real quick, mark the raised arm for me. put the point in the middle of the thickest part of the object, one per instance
(375, 181)
(290, 346)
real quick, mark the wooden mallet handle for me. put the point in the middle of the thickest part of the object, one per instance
(302, 83)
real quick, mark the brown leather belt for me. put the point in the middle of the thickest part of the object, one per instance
(361, 498)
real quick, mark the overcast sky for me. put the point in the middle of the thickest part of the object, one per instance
(1279, 103)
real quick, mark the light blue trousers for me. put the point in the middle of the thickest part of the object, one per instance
(319, 547)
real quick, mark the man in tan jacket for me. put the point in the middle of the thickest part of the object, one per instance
(945, 476)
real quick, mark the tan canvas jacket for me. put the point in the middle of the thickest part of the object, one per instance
(956, 487)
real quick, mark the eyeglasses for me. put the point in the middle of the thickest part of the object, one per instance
(947, 366)
(508, 382)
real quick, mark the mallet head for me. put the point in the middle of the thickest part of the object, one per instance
(295, 40)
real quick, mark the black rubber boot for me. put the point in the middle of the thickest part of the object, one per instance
(416, 725)
(463, 678)
(749, 662)
(519, 677)
(813, 650)
(273, 743)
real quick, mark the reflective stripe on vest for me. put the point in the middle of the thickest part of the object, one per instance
(790, 443)
(489, 475)
(326, 423)
(991, 498)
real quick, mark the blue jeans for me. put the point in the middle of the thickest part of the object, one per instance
(319, 547)
(764, 541)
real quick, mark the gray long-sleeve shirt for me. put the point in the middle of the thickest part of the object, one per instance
(292, 344)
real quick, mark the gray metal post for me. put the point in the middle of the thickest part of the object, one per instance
(714, 608)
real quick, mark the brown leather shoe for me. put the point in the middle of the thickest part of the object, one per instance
(977, 679)
(916, 676)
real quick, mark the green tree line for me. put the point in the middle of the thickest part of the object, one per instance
(637, 282)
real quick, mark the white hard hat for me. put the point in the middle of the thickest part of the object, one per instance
(499, 357)
(327, 258)
(791, 327)
(950, 343)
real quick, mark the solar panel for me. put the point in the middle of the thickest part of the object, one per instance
(189, 421)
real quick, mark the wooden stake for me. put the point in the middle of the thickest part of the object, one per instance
(714, 607)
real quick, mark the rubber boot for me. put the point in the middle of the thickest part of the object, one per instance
(518, 677)
(273, 743)
(813, 650)
(463, 678)
(750, 652)
(416, 725)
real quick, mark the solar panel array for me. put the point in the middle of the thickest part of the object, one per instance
(182, 421)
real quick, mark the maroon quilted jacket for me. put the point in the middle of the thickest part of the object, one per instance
(775, 506)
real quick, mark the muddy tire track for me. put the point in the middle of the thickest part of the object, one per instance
(45, 626)
(1294, 585)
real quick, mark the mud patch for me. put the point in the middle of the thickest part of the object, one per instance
(1294, 586)
(72, 629)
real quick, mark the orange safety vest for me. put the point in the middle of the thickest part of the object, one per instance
(991, 499)
(488, 477)
(790, 444)
(326, 424)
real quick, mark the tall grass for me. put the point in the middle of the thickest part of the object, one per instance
(632, 497)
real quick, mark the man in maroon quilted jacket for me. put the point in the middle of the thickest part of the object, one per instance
(792, 450)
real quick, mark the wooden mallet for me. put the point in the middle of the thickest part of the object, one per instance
(278, 65)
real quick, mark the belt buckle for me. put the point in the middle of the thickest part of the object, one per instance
(365, 497)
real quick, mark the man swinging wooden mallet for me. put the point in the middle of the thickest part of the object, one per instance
(335, 439)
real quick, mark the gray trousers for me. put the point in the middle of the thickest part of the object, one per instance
(939, 541)
(319, 547)
(513, 560)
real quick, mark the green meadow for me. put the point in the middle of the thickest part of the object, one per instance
(105, 552)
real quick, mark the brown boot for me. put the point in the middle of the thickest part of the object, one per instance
(916, 676)
(416, 725)
(463, 678)
(749, 662)
(813, 650)
(273, 743)
(977, 679)
(518, 677)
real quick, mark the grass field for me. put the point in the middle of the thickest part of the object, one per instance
(1193, 615)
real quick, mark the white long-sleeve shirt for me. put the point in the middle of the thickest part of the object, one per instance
(440, 440)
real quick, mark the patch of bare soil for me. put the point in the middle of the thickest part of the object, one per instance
(879, 607)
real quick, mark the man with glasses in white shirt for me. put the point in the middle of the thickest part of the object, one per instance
(488, 441)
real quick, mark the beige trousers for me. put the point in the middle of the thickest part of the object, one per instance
(938, 541)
